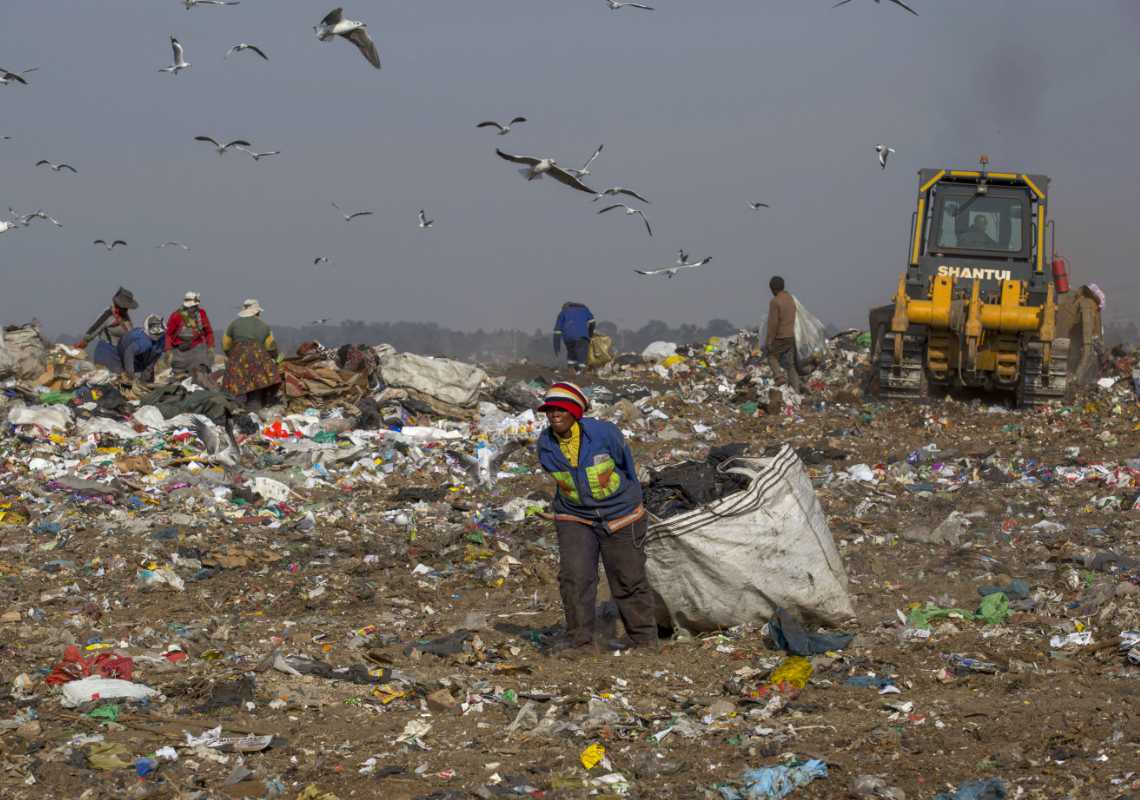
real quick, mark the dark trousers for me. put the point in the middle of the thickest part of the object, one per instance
(579, 547)
(577, 350)
(782, 354)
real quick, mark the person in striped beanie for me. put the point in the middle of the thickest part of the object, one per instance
(598, 513)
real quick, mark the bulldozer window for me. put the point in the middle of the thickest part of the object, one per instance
(980, 222)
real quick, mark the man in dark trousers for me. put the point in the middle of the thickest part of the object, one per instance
(781, 339)
(574, 327)
(598, 511)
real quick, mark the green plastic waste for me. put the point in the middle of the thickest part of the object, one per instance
(993, 610)
(108, 713)
(325, 437)
(864, 340)
(55, 398)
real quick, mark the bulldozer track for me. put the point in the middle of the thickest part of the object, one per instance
(906, 380)
(1042, 383)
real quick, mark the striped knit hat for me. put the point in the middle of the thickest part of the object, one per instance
(567, 397)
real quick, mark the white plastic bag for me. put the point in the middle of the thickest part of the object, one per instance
(659, 351)
(738, 559)
(811, 336)
(76, 693)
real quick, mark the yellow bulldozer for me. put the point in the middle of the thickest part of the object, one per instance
(978, 303)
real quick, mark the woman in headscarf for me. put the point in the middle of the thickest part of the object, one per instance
(111, 326)
(251, 358)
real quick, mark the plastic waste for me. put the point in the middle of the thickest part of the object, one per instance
(82, 691)
(981, 789)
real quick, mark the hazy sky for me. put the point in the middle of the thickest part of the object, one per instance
(701, 106)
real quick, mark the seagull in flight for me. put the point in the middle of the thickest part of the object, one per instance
(191, 3)
(884, 153)
(629, 212)
(180, 62)
(615, 190)
(617, 5)
(334, 24)
(682, 256)
(41, 214)
(896, 2)
(424, 221)
(585, 170)
(320, 260)
(239, 144)
(112, 245)
(757, 206)
(174, 244)
(6, 76)
(321, 321)
(669, 272)
(237, 48)
(537, 167)
(503, 129)
(56, 167)
(259, 156)
(353, 215)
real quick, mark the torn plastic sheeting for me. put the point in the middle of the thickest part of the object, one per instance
(441, 378)
(270, 489)
(773, 783)
(83, 691)
(93, 425)
(53, 418)
(740, 558)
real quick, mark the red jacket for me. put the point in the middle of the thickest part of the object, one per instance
(178, 332)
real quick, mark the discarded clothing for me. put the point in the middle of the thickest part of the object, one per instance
(790, 635)
(773, 783)
(689, 485)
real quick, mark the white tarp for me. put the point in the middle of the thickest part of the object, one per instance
(738, 559)
(811, 336)
(452, 382)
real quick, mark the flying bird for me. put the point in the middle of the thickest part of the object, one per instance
(356, 32)
(259, 156)
(629, 212)
(614, 190)
(237, 48)
(239, 144)
(537, 167)
(424, 221)
(41, 214)
(321, 321)
(669, 272)
(320, 260)
(353, 215)
(5, 138)
(896, 2)
(585, 170)
(174, 244)
(112, 245)
(6, 76)
(617, 5)
(682, 256)
(758, 206)
(191, 3)
(884, 153)
(180, 62)
(503, 129)
(56, 167)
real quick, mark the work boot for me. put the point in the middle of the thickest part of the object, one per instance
(653, 646)
(570, 650)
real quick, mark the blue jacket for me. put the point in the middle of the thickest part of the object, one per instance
(604, 485)
(138, 352)
(573, 322)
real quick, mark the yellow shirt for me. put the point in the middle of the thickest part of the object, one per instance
(571, 444)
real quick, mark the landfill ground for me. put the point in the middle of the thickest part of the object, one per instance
(367, 576)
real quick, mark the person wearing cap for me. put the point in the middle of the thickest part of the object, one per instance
(140, 350)
(251, 358)
(111, 326)
(190, 337)
(574, 327)
(598, 512)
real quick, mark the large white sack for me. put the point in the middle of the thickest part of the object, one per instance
(811, 335)
(739, 558)
(23, 353)
(659, 351)
(452, 382)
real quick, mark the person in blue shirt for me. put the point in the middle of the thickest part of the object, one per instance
(597, 512)
(140, 350)
(574, 327)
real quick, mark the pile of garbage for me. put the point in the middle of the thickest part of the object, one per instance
(353, 592)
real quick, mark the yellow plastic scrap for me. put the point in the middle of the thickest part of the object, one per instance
(673, 361)
(313, 792)
(474, 553)
(592, 755)
(386, 693)
(108, 755)
(793, 671)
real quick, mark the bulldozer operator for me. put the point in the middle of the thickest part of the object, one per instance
(978, 236)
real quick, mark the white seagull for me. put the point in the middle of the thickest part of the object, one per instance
(6, 76)
(237, 48)
(629, 212)
(174, 244)
(56, 167)
(896, 2)
(617, 5)
(537, 167)
(669, 272)
(239, 144)
(757, 206)
(884, 153)
(614, 190)
(334, 24)
(353, 215)
(424, 221)
(191, 3)
(259, 156)
(41, 214)
(180, 62)
(503, 129)
(112, 245)
(320, 260)
(585, 170)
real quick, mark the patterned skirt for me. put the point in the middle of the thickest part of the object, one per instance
(249, 367)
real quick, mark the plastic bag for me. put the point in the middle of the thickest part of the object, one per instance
(601, 350)
(811, 336)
